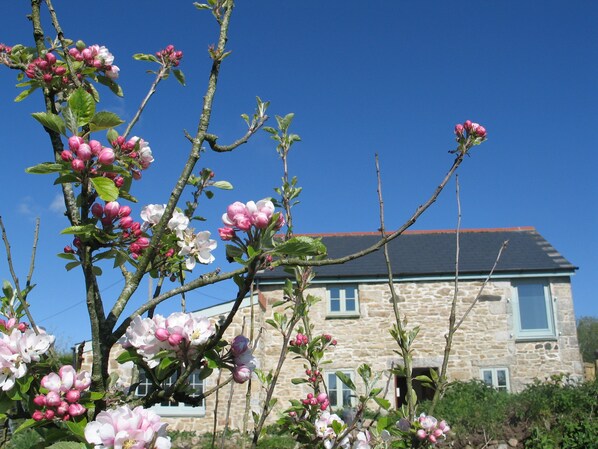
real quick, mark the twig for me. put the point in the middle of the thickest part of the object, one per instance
(216, 403)
(145, 101)
(405, 349)
(211, 138)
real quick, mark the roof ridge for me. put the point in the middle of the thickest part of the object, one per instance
(419, 231)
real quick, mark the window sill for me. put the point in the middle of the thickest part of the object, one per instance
(342, 316)
(536, 338)
(179, 412)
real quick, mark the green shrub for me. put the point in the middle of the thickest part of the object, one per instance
(473, 408)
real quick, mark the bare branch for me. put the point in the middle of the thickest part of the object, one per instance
(212, 139)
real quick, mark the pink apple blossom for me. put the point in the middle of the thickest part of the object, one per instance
(126, 428)
(111, 209)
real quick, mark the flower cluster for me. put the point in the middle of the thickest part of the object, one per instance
(45, 68)
(193, 247)
(97, 57)
(18, 349)
(321, 401)
(469, 129)
(431, 430)
(5, 48)
(179, 333)
(243, 359)
(169, 56)
(299, 340)
(243, 217)
(64, 392)
(325, 430)
(7, 325)
(126, 428)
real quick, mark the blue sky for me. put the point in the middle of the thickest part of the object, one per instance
(382, 77)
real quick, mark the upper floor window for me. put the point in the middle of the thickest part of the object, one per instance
(496, 377)
(173, 408)
(533, 311)
(339, 395)
(343, 300)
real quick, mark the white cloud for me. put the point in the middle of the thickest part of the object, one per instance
(28, 207)
(57, 204)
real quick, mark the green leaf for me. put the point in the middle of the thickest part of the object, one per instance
(69, 266)
(26, 424)
(144, 57)
(44, 168)
(24, 94)
(128, 355)
(127, 196)
(382, 402)
(50, 121)
(115, 88)
(83, 106)
(180, 76)
(87, 229)
(104, 120)
(298, 380)
(77, 429)
(346, 380)
(106, 188)
(67, 444)
(111, 135)
(7, 290)
(423, 378)
(66, 179)
(301, 246)
(224, 185)
(70, 118)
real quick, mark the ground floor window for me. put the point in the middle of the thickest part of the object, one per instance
(174, 408)
(339, 395)
(496, 377)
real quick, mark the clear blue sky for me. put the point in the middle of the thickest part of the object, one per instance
(387, 77)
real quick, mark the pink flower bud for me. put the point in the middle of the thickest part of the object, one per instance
(51, 58)
(119, 182)
(124, 211)
(22, 327)
(73, 52)
(84, 152)
(322, 397)
(279, 222)
(421, 434)
(437, 433)
(39, 400)
(162, 334)
(111, 209)
(125, 222)
(43, 65)
(74, 142)
(240, 344)
(107, 156)
(459, 129)
(292, 414)
(169, 253)
(136, 175)
(96, 147)
(241, 374)
(134, 248)
(11, 323)
(143, 242)
(97, 210)
(86, 53)
(49, 414)
(175, 339)
(66, 417)
(53, 399)
(78, 165)
(310, 396)
(37, 415)
(226, 233)
(47, 78)
(76, 409)
(481, 131)
(106, 221)
(60, 70)
(324, 405)
(72, 396)
(62, 408)
(66, 156)
(467, 125)
(432, 439)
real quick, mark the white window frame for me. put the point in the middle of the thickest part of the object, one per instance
(343, 312)
(534, 334)
(181, 409)
(340, 388)
(494, 372)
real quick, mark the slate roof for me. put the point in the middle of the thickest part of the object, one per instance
(432, 254)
